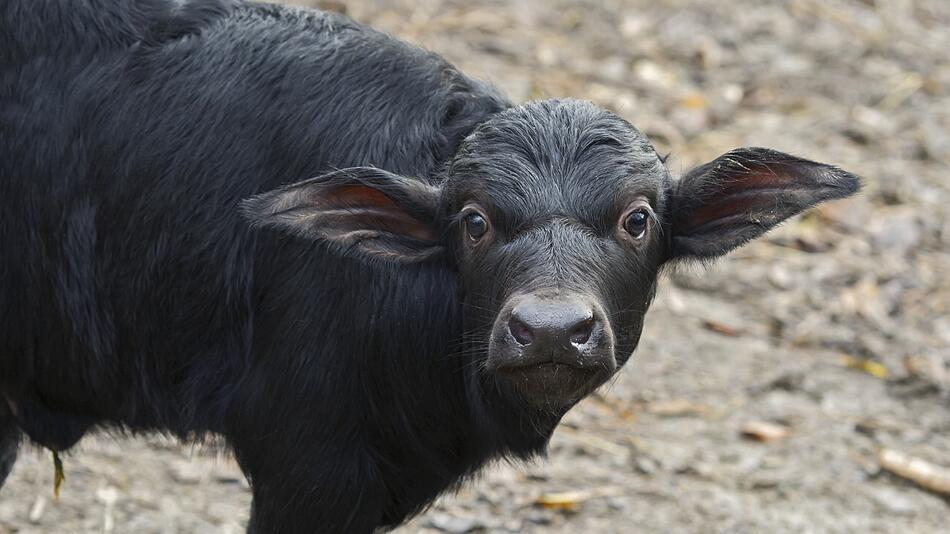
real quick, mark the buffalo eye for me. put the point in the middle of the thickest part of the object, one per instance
(475, 226)
(635, 223)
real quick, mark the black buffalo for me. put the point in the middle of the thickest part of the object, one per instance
(451, 275)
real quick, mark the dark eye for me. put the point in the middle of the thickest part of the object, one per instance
(636, 223)
(475, 226)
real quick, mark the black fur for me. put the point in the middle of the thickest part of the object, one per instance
(337, 342)
(9, 442)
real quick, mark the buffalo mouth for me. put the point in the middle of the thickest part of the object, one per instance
(551, 384)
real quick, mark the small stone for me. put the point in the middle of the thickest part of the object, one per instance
(764, 431)
(36, 511)
(781, 277)
(893, 501)
(539, 518)
(455, 524)
(646, 465)
(107, 495)
(632, 25)
(614, 69)
(651, 73)
(895, 233)
(186, 472)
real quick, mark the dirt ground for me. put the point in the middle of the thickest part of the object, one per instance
(835, 327)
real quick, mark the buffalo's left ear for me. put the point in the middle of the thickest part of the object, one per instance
(362, 209)
(740, 195)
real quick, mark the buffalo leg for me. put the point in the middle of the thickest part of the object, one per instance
(9, 442)
(293, 494)
(304, 505)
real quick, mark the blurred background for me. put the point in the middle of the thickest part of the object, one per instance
(782, 389)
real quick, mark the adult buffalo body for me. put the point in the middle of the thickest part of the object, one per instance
(368, 272)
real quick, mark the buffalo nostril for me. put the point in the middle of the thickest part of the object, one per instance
(521, 332)
(581, 332)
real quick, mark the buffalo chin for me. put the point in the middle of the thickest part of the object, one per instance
(551, 385)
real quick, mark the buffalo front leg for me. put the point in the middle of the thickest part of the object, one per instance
(9, 441)
(308, 491)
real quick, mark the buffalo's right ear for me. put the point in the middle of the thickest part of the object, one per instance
(365, 209)
(742, 194)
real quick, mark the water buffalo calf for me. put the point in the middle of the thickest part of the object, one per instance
(368, 272)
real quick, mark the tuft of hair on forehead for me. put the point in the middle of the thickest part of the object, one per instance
(544, 130)
(555, 157)
(555, 137)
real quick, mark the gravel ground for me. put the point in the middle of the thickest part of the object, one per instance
(836, 327)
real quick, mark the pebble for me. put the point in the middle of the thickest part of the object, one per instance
(455, 524)
(892, 500)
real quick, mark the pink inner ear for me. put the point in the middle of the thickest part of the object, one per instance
(719, 209)
(757, 177)
(358, 207)
(739, 196)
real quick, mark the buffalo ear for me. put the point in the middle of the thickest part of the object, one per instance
(740, 195)
(360, 209)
